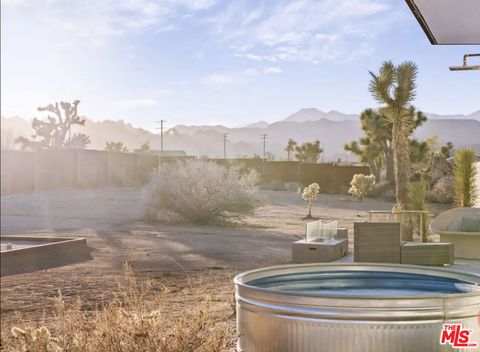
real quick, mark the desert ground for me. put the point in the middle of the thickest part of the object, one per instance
(192, 262)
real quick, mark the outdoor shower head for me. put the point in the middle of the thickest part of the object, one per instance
(465, 66)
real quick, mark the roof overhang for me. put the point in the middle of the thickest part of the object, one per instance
(448, 21)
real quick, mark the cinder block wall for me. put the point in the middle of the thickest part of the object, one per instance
(55, 169)
(92, 168)
(331, 178)
(145, 165)
(17, 172)
(24, 172)
(122, 169)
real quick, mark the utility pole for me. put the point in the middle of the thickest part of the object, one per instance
(225, 138)
(264, 138)
(161, 134)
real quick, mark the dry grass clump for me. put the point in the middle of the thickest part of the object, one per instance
(134, 320)
(201, 192)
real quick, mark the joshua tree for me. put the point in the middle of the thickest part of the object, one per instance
(310, 193)
(144, 148)
(375, 147)
(78, 141)
(290, 148)
(466, 190)
(308, 152)
(446, 149)
(394, 87)
(115, 147)
(53, 131)
(368, 152)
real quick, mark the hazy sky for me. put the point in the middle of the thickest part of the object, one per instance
(217, 62)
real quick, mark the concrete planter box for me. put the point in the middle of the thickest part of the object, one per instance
(319, 252)
(427, 253)
(467, 245)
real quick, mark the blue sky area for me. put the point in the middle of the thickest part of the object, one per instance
(217, 62)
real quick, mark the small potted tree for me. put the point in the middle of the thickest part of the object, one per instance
(310, 193)
(360, 185)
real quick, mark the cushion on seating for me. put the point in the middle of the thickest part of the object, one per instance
(470, 225)
(455, 225)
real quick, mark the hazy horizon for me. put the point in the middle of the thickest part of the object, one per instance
(212, 62)
(154, 129)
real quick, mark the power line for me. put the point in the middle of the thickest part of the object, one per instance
(161, 133)
(264, 138)
(225, 139)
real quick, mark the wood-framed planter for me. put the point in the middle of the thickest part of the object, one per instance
(32, 253)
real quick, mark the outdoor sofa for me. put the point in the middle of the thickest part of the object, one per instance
(379, 242)
(460, 226)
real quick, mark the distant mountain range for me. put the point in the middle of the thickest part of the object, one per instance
(332, 128)
(312, 114)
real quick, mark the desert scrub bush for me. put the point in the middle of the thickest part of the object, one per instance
(443, 190)
(466, 190)
(273, 186)
(132, 321)
(384, 190)
(201, 192)
(360, 185)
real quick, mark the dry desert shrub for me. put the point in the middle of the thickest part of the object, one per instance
(132, 321)
(200, 192)
(443, 190)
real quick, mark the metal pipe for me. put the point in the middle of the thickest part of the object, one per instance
(465, 66)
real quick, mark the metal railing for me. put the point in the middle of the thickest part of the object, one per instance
(403, 217)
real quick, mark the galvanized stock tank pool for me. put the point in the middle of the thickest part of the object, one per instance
(353, 307)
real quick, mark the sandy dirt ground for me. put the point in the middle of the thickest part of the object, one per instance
(192, 261)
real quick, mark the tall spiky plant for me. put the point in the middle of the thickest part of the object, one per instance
(394, 88)
(466, 190)
(417, 200)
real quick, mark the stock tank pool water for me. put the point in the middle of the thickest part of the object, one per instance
(359, 283)
(353, 307)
